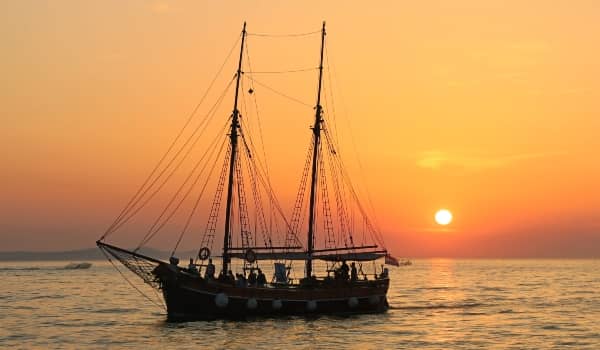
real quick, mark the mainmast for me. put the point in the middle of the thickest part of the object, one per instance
(233, 136)
(313, 182)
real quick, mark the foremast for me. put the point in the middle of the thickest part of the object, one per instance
(234, 142)
(313, 182)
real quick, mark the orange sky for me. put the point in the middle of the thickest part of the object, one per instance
(487, 108)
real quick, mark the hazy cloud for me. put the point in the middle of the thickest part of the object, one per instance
(160, 7)
(436, 160)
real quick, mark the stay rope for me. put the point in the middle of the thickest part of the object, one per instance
(132, 212)
(129, 204)
(289, 35)
(298, 70)
(279, 92)
(159, 305)
(156, 227)
(193, 211)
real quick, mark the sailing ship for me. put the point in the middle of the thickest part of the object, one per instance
(202, 290)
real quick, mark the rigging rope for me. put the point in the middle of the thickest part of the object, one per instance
(269, 35)
(154, 229)
(271, 194)
(258, 166)
(189, 219)
(329, 238)
(283, 71)
(209, 116)
(279, 92)
(377, 234)
(246, 235)
(262, 141)
(354, 146)
(339, 193)
(267, 239)
(297, 219)
(159, 305)
(330, 90)
(213, 216)
(126, 209)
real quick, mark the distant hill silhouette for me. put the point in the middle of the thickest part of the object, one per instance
(82, 255)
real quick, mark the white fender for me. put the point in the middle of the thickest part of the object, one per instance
(353, 302)
(276, 304)
(311, 305)
(221, 300)
(251, 304)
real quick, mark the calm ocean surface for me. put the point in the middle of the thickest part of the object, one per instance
(436, 304)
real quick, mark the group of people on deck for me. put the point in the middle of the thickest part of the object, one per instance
(345, 272)
(255, 278)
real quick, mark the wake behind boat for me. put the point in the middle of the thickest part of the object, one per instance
(258, 235)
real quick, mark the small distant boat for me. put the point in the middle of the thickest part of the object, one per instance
(404, 262)
(78, 266)
(390, 260)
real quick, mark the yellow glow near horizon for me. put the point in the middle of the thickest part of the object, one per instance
(443, 217)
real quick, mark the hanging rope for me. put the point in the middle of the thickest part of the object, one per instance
(292, 35)
(128, 206)
(193, 211)
(262, 140)
(159, 305)
(354, 146)
(156, 227)
(279, 92)
(330, 90)
(213, 216)
(310, 69)
(132, 212)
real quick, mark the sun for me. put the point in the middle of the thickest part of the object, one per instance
(443, 217)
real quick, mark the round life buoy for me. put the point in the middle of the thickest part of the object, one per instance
(250, 256)
(204, 253)
(353, 302)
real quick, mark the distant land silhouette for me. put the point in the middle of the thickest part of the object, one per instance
(81, 254)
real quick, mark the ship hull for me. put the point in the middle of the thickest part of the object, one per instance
(189, 297)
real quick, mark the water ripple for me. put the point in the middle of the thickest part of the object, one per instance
(436, 304)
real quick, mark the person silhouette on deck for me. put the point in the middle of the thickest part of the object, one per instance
(192, 267)
(241, 280)
(210, 270)
(344, 269)
(353, 272)
(252, 278)
(222, 276)
(261, 279)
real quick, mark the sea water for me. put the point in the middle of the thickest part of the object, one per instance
(435, 304)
